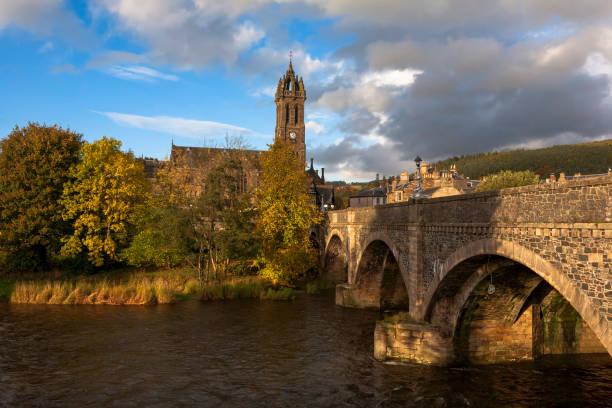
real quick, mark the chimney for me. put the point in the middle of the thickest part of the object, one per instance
(311, 163)
(323, 175)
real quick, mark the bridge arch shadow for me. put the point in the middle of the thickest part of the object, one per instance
(533, 310)
(378, 280)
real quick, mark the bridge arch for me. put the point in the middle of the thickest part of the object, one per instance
(524, 273)
(336, 262)
(379, 278)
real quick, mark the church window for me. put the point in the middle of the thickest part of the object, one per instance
(287, 114)
(296, 115)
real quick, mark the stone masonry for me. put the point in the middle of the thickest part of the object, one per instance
(444, 247)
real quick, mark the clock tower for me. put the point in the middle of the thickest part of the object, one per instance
(290, 97)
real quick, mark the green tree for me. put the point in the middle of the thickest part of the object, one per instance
(285, 216)
(227, 215)
(34, 165)
(213, 208)
(158, 235)
(100, 200)
(506, 179)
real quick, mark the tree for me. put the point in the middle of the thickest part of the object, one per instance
(215, 208)
(285, 216)
(34, 165)
(100, 200)
(506, 179)
(158, 237)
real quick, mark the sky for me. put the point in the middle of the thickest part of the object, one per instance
(385, 80)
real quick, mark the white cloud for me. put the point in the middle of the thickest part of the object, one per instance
(391, 77)
(364, 96)
(188, 33)
(267, 91)
(139, 73)
(247, 35)
(191, 128)
(44, 17)
(597, 64)
(315, 127)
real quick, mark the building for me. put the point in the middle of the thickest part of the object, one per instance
(435, 183)
(323, 195)
(369, 198)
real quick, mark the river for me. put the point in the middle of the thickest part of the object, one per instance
(250, 353)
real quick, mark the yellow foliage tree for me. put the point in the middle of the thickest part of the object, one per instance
(107, 185)
(285, 216)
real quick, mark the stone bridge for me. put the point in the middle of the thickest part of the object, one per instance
(485, 277)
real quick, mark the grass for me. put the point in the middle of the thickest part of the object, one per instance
(400, 317)
(246, 289)
(136, 291)
(140, 287)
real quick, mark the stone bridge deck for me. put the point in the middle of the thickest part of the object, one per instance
(443, 249)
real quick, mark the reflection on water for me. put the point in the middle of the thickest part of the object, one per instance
(306, 353)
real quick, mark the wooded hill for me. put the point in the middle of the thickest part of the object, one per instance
(584, 158)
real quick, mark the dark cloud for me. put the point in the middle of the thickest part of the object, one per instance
(350, 159)
(462, 121)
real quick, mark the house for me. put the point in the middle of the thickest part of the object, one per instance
(369, 198)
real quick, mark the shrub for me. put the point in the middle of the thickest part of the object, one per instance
(507, 179)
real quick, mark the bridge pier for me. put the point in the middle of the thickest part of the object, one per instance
(349, 295)
(414, 343)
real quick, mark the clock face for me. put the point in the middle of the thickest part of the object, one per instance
(292, 135)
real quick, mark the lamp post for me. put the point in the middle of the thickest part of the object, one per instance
(418, 190)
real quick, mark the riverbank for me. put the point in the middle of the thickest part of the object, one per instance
(140, 287)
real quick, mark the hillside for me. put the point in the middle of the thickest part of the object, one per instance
(585, 158)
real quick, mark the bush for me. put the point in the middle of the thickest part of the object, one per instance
(507, 179)
(149, 248)
(317, 286)
(279, 294)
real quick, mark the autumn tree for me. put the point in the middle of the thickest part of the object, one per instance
(208, 215)
(285, 216)
(507, 179)
(34, 165)
(100, 199)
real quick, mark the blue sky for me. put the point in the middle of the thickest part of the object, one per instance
(385, 80)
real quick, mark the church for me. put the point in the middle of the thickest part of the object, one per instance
(290, 98)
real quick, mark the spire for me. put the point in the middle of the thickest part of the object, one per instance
(290, 72)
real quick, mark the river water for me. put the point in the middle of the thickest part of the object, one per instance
(250, 353)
